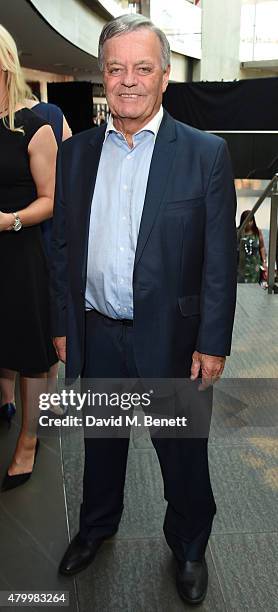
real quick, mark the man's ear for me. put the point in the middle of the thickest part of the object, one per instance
(166, 78)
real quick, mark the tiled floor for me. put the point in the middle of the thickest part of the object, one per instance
(134, 571)
(33, 524)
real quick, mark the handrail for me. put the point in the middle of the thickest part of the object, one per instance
(265, 194)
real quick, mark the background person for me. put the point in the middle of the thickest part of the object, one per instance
(251, 252)
(27, 175)
(54, 116)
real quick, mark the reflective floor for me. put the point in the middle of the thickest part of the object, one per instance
(134, 571)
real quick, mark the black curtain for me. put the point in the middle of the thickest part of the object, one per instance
(250, 104)
(247, 105)
(75, 98)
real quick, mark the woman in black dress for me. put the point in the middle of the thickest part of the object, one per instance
(27, 174)
(53, 115)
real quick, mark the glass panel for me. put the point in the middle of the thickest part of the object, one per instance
(259, 30)
(181, 22)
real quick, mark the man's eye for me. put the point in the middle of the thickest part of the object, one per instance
(144, 69)
(114, 70)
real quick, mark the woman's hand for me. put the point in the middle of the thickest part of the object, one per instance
(6, 221)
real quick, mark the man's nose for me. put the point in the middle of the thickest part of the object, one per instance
(129, 78)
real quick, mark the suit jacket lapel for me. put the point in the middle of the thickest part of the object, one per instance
(161, 164)
(89, 169)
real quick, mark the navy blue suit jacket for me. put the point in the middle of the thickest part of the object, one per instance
(184, 279)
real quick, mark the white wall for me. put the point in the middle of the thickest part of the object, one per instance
(221, 22)
(178, 67)
(220, 40)
(73, 20)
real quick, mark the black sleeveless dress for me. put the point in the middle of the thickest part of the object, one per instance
(25, 339)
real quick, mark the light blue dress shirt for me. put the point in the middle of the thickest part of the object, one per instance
(116, 212)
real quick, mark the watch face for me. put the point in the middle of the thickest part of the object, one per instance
(17, 225)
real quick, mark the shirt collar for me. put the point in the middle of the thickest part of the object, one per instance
(153, 125)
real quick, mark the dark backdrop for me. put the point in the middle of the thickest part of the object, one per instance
(75, 98)
(247, 105)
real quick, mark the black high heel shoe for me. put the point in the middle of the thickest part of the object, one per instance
(7, 412)
(11, 482)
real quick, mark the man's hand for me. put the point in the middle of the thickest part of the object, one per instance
(211, 368)
(60, 347)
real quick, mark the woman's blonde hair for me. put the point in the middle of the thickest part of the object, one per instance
(17, 88)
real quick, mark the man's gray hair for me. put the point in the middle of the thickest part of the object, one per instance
(129, 23)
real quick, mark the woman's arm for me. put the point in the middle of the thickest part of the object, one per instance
(262, 248)
(67, 133)
(42, 151)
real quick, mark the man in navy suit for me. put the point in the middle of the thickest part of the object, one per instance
(144, 282)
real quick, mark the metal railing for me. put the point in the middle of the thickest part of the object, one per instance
(272, 191)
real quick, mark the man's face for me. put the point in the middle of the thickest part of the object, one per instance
(133, 76)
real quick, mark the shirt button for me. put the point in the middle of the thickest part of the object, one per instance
(121, 248)
(125, 309)
(124, 218)
(128, 157)
(122, 280)
(125, 187)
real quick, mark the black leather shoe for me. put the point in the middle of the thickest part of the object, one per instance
(192, 581)
(79, 555)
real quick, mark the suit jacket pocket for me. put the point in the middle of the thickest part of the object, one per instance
(183, 204)
(189, 305)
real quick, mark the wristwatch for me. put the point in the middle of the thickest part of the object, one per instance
(17, 223)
